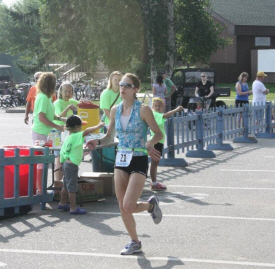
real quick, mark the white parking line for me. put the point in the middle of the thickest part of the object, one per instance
(242, 170)
(136, 257)
(226, 188)
(189, 216)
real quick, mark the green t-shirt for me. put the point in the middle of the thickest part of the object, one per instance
(60, 105)
(106, 99)
(169, 83)
(161, 124)
(72, 148)
(42, 104)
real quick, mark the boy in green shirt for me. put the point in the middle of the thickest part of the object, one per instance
(157, 107)
(70, 157)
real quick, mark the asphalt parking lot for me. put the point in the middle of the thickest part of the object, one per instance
(217, 213)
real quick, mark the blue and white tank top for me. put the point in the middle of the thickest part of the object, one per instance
(135, 135)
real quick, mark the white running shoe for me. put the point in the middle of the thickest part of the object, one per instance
(131, 248)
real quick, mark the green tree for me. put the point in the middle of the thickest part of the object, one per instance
(159, 20)
(20, 34)
(197, 35)
(107, 30)
(119, 33)
(154, 14)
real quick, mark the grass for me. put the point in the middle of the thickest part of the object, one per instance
(269, 97)
(231, 100)
(228, 100)
(145, 85)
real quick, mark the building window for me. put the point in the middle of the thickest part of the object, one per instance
(262, 41)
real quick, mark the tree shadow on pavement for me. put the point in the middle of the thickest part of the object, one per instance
(99, 213)
(172, 197)
(197, 165)
(35, 221)
(38, 220)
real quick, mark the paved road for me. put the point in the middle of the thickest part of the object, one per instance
(218, 213)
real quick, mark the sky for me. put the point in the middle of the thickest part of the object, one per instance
(9, 2)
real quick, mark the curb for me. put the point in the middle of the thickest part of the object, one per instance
(16, 110)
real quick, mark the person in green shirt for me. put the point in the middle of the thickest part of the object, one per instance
(43, 113)
(71, 156)
(64, 106)
(110, 96)
(171, 88)
(157, 107)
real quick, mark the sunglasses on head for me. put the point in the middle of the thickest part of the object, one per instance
(126, 85)
(202, 76)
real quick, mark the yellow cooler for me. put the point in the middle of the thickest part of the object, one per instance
(90, 115)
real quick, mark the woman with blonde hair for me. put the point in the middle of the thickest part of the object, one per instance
(242, 90)
(242, 93)
(43, 114)
(110, 96)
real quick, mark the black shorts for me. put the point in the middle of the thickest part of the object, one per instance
(159, 147)
(240, 103)
(138, 164)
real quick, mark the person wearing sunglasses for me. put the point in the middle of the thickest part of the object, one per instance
(205, 89)
(131, 119)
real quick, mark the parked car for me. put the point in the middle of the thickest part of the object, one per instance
(186, 80)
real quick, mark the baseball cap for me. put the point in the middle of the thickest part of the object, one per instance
(162, 72)
(261, 74)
